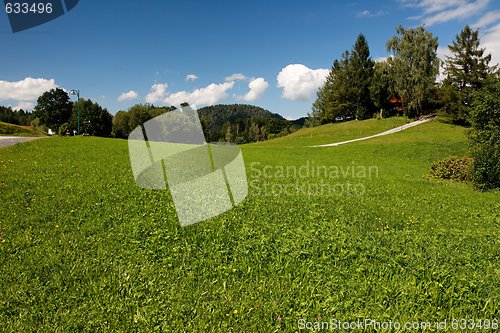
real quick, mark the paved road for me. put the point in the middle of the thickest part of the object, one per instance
(394, 130)
(6, 141)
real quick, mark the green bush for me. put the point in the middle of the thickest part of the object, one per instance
(454, 168)
(484, 137)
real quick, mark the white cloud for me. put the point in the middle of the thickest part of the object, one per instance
(128, 96)
(300, 82)
(431, 6)
(257, 88)
(157, 93)
(380, 59)
(208, 95)
(367, 13)
(235, 76)
(191, 77)
(24, 105)
(25, 90)
(440, 11)
(487, 19)
(490, 40)
(442, 53)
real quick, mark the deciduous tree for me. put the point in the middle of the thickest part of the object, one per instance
(94, 120)
(415, 66)
(53, 108)
(382, 86)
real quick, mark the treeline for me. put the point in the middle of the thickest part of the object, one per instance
(55, 111)
(359, 87)
(125, 122)
(237, 123)
(242, 123)
(16, 117)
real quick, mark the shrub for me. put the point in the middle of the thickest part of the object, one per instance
(484, 137)
(454, 168)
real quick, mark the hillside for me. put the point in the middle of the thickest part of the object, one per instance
(79, 239)
(242, 123)
(16, 130)
(336, 132)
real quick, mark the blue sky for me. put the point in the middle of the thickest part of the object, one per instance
(166, 52)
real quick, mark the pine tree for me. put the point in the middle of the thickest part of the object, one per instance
(332, 99)
(361, 69)
(466, 70)
(346, 91)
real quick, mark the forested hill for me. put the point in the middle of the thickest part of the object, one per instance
(242, 123)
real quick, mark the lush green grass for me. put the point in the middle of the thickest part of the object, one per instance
(86, 250)
(16, 130)
(337, 132)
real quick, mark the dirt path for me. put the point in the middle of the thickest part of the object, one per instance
(394, 130)
(6, 141)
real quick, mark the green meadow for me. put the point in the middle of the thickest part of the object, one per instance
(83, 249)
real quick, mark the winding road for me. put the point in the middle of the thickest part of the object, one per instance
(393, 130)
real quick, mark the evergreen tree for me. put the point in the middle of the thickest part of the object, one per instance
(346, 91)
(17, 117)
(361, 69)
(466, 70)
(335, 98)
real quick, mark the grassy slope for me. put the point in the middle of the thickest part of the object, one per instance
(336, 132)
(87, 250)
(15, 130)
